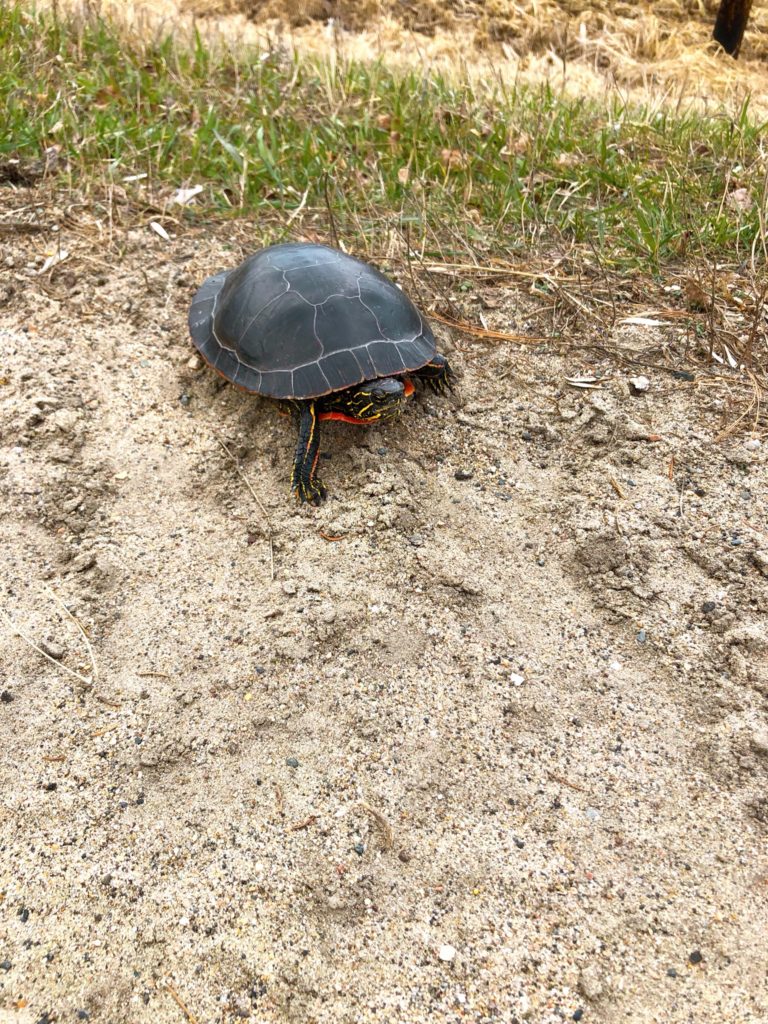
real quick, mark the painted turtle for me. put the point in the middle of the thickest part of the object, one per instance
(326, 335)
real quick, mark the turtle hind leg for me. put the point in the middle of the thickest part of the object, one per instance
(304, 482)
(437, 373)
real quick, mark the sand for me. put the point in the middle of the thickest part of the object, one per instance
(479, 749)
(483, 739)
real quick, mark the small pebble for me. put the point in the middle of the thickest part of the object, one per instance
(382, 451)
(83, 1015)
(359, 849)
(759, 741)
(416, 540)
(527, 435)
(641, 636)
(292, 762)
(72, 504)
(84, 562)
(53, 650)
(185, 400)
(6, 697)
(24, 915)
(578, 1014)
(753, 444)
(519, 843)
(289, 588)
(50, 787)
(638, 384)
(736, 541)
(5, 965)
(242, 1006)
(404, 856)
(446, 954)
(708, 607)
(591, 983)
(695, 957)
(194, 363)
(463, 474)
(671, 972)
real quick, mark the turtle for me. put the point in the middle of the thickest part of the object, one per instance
(324, 334)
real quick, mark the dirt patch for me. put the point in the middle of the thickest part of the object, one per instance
(496, 752)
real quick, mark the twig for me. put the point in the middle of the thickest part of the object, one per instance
(104, 731)
(179, 1002)
(331, 219)
(295, 213)
(279, 798)
(80, 629)
(727, 431)
(259, 502)
(565, 782)
(384, 826)
(109, 703)
(22, 227)
(481, 332)
(303, 824)
(444, 292)
(83, 679)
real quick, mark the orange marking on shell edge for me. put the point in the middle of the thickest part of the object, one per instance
(409, 386)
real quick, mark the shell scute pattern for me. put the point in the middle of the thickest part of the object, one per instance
(299, 320)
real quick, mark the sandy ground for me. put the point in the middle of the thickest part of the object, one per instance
(484, 749)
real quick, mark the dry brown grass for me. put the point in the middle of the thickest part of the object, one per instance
(644, 31)
(648, 50)
(653, 53)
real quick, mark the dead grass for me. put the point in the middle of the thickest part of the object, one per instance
(659, 53)
(633, 44)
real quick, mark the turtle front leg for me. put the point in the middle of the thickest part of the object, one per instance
(437, 374)
(304, 483)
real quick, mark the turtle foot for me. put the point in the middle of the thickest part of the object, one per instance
(310, 492)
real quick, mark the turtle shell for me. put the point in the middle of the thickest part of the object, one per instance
(300, 321)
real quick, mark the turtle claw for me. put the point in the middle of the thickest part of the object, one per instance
(443, 385)
(310, 492)
(437, 376)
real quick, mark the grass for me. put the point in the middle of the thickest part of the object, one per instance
(267, 134)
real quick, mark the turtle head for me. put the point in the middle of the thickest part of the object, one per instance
(369, 402)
